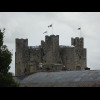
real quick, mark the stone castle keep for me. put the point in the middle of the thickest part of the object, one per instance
(49, 56)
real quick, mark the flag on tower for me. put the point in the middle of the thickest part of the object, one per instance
(50, 26)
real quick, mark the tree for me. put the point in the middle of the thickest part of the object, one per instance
(6, 78)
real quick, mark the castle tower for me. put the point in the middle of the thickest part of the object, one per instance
(77, 42)
(80, 54)
(52, 49)
(20, 56)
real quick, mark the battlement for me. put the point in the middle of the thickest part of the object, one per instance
(51, 37)
(21, 39)
(21, 44)
(77, 42)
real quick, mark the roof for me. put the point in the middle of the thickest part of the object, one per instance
(64, 46)
(62, 79)
(34, 47)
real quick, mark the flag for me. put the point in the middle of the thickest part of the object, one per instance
(79, 28)
(50, 26)
(45, 32)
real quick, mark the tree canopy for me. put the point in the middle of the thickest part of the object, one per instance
(6, 78)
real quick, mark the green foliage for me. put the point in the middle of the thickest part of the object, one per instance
(5, 59)
(6, 78)
(1, 38)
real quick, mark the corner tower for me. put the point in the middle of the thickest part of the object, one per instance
(80, 53)
(20, 56)
(77, 42)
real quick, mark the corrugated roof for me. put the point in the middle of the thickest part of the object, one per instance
(63, 79)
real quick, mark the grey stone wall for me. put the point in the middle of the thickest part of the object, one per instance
(52, 49)
(50, 55)
(21, 56)
(77, 42)
(74, 58)
(34, 58)
(68, 59)
(51, 68)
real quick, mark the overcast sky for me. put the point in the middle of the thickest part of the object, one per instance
(31, 25)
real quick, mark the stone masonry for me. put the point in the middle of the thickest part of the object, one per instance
(49, 56)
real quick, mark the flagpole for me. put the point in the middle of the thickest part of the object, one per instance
(80, 32)
(52, 29)
(47, 33)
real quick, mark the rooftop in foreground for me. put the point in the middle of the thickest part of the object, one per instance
(89, 78)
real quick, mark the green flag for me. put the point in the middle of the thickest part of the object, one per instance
(50, 26)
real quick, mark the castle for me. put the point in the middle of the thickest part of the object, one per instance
(49, 56)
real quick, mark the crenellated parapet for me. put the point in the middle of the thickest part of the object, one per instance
(77, 42)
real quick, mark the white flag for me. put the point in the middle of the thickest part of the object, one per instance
(45, 32)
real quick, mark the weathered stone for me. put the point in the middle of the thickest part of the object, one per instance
(50, 56)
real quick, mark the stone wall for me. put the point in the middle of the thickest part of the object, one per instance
(68, 59)
(77, 42)
(51, 67)
(34, 58)
(74, 58)
(21, 56)
(50, 55)
(52, 49)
